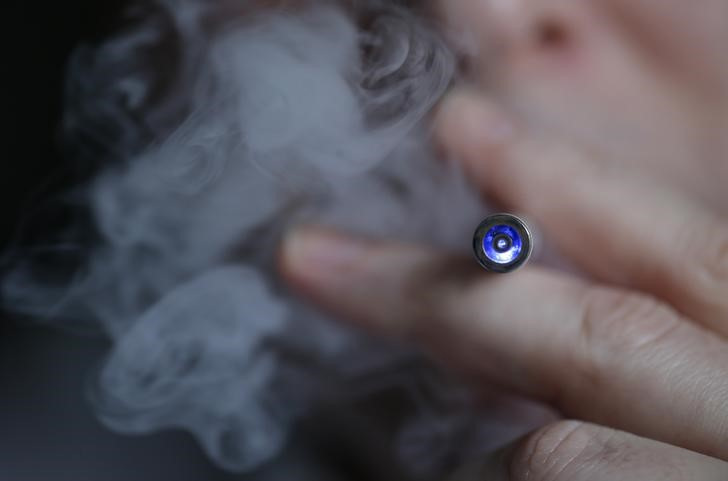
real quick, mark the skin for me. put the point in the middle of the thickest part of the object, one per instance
(605, 122)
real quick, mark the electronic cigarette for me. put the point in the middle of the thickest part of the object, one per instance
(502, 243)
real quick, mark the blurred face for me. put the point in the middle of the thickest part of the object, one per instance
(644, 82)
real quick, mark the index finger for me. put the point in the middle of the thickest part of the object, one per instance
(596, 353)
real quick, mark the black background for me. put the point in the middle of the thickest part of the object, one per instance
(47, 429)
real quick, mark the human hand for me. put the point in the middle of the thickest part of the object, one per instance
(642, 82)
(638, 352)
(649, 357)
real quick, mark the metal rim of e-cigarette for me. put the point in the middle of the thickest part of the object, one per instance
(519, 225)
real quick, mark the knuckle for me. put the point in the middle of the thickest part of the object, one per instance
(712, 243)
(631, 319)
(715, 272)
(554, 452)
(722, 257)
(577, 450)
(616, 325)
(705, 279)
(719, 262)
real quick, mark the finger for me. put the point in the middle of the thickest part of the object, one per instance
(620, 227)
(574, 451)
(595, 353)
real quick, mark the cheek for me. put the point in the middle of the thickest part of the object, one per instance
(688, 38)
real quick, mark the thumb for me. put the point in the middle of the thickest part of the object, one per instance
(576, 451)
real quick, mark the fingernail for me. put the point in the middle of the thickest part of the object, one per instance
(319, 254)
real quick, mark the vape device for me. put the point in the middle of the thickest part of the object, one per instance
(502, 243)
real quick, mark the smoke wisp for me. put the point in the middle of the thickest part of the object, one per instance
(215, 128)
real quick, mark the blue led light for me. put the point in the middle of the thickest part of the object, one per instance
(502, 244)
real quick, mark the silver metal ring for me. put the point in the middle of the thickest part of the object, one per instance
(502, 243)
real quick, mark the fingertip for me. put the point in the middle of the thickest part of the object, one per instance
(474, 131)
(360, 280)
(466, 116)
(317, 258)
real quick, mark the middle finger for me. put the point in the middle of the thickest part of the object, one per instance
(599, 354)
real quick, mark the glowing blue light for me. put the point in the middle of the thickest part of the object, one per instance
(502, 244)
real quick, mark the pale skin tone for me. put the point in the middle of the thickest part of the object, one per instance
(606, 122)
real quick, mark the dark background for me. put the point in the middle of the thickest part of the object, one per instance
(47, 429)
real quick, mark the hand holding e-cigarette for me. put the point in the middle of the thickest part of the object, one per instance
(630, 188)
